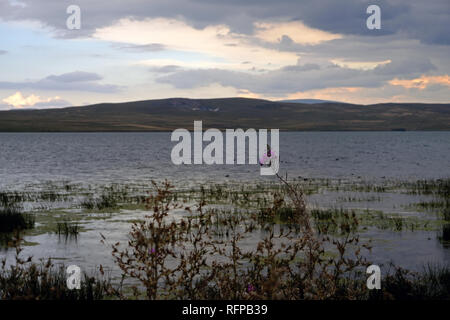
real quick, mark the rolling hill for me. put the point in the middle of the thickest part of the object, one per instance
(308, 101)
(169, 114)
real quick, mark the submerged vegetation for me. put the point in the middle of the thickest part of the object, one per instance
(231, 241)
(67, 229)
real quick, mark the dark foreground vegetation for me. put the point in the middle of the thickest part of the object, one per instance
(212, 253)
(28, 280)
(12, 218)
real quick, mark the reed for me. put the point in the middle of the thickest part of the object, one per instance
(12, 218)
(28, 280)
(67, 228)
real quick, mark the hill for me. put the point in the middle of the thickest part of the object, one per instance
(309, 101)
(169, 114)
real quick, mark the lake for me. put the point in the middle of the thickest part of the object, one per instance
(130, 157)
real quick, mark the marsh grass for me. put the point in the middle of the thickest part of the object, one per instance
(360, 199)
(66, 228)
(12, 218)
(105, 202)
(335, 221)
(10, 199)
(233, 242)
(439, 187)
(204, 256)
(432, 283)
(444, 237)
(112, 197)
(28, 280)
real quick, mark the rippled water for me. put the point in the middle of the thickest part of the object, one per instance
(127, 157)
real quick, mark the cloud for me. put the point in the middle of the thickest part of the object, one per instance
(213, 41)
(296, 31)
(15, 3)
(415, 19)
(76, 76)
(72, 81)
(158, 64)
(423, 82)
(360, 65)
(165, 69)
(300, 77)
(262, 48)
(150, 47)
(3, 52)
(17, 100)
(304, 67)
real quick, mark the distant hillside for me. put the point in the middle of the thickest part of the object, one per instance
(169, 114)
(309, 101)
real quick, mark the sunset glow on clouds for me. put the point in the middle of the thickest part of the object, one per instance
(360, 65)
(17, 100)
(215, 42)
(423, 82)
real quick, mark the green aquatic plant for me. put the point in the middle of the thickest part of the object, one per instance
(332, 221)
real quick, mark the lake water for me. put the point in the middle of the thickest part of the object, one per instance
(28, 160)
(130, 157)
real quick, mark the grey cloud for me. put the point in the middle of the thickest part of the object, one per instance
(297, 78)
(423, 20)
(76, 76)
(407, 67)
(3, 52)
(151, 47)
(305, 67)
(403, 53)
(165, 69)
(73, 81)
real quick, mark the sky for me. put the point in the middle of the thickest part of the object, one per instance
(284, 49)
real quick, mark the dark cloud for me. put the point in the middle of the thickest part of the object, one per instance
(3, 52)
(73, 81)
(423, 20)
